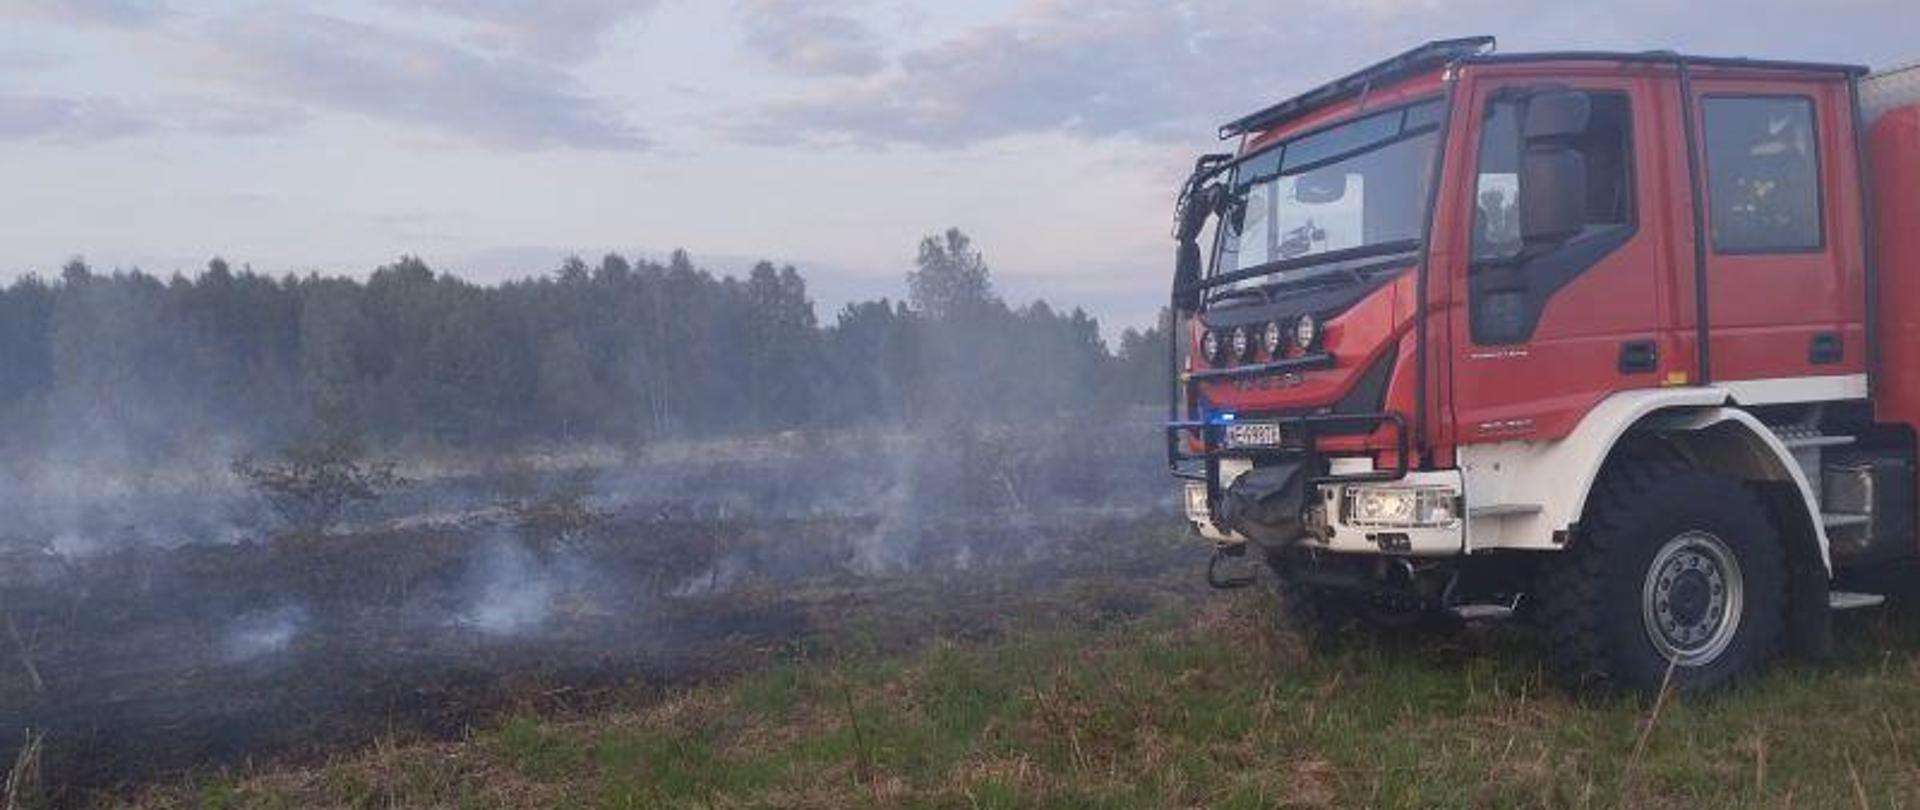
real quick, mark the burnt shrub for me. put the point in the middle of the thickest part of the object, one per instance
(311, 485)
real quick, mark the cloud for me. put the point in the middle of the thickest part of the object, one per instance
(69, 120)
(557, 32)
(1087, 67)
(120, 13)
(1165, 71)
(19, 60)
(347, 66)
(810, 38)
(72, 121)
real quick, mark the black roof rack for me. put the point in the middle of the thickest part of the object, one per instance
(1425, 57)
(1480, 50)
(1666, 58)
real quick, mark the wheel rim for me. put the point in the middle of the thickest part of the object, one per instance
(1693, 599)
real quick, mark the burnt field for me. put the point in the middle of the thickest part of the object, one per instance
(154, 630)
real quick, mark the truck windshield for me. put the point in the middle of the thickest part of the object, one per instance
(1355, 185)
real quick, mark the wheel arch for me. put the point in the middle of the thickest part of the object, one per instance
(1735, 443)
(1531, 495)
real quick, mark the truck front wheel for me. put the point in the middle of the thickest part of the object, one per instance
(1673, 570)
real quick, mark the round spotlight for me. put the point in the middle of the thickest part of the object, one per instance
(1270, 338)
(1210, 346)
(1306, 333)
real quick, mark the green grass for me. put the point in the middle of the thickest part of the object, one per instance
(1206, 706)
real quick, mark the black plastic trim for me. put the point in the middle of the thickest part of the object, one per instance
(1639, 357)
(1305, 362)
(1420, 282)
(1869, 230)
(1825, 349)
(1370, 393)
(1702, 324)
(1539, 279)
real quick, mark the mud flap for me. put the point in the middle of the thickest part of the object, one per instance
(1266, 504)
(1809, 618)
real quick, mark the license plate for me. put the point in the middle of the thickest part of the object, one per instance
(1253, 434)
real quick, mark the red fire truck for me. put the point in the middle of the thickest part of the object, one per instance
(1625, 343)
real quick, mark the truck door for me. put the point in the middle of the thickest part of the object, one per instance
(1786, 301)
(1542, 330)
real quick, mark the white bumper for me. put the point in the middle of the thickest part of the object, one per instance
(1333, 530)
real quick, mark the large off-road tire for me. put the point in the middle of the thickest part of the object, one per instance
(1672, 568)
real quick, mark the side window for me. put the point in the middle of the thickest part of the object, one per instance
(1511, 280)
(1763, 174)
(1604, 147)
(1496, 194)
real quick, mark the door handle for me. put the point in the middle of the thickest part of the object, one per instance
(1639, 356)
(1825, 348)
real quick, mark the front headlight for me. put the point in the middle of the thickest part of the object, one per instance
(1197, 502)
(1400, 507)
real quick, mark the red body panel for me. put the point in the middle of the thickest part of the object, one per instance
(1356, 339)
(1896, 184)
(1764, 310)
(1541, 388)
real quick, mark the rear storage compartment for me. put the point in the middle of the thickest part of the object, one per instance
(1888, 89)
(1890, 101)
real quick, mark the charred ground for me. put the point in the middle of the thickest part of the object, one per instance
(156, 647)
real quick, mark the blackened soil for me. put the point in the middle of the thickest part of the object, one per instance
(148, 662)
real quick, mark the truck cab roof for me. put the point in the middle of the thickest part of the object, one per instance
(1438, 54)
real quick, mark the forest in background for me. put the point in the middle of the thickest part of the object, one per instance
(624, 352)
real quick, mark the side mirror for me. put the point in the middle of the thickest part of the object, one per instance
(1186, 260)
(1553, 174)
(1556, 114)
(1195, 209)
(1186, 276)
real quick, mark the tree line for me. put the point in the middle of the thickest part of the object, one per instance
(625, 351)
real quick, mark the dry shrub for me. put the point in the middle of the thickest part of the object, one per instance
(311, 484)
(552, 511)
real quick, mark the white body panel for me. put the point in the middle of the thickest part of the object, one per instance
(1524, 495)
(1519, 494)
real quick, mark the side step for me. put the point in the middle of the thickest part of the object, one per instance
(1846, 600)
(1482, 613)
(1840, 520)
(1795, 441)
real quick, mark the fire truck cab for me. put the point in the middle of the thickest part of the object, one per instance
(1626, 343)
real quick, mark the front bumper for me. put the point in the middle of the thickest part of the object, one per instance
(1212, 471)
(1329, 525)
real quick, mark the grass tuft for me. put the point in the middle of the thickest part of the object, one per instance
(1211, 705)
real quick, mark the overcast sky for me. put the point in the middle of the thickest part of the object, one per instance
(493, 136)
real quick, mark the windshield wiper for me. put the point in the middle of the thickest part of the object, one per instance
(1229, 295)
(1300, 262)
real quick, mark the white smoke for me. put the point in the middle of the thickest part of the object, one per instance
(264, 633)
(512, 592)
